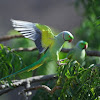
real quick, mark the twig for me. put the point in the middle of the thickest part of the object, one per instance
(17, 83)
(41, 87)
(8, 37)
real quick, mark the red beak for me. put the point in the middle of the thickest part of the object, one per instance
(85, 46)
(70, 40)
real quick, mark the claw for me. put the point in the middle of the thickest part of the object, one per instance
(59, 62)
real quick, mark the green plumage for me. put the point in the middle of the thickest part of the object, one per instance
(43, 38)
(78, 52)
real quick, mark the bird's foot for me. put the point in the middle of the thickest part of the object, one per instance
(59, 62)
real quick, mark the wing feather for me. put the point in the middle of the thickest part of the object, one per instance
(47, 35)
(40, 34)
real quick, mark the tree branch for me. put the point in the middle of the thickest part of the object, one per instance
(23, 82)
(93, 53)
(89, 53)
(8, 37)
(42, 87)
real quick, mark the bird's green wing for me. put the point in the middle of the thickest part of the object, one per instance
(47, 36)
(42, 35)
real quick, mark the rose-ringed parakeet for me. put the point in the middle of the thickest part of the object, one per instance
(44, 38)
(78, 52)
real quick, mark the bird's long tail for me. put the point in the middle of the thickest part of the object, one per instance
(30, 67)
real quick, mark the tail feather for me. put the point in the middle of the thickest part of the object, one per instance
(35, 67)
(20, 71)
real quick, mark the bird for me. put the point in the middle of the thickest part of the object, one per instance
(78, 52)
(44, 40)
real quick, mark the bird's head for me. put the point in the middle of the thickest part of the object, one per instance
(67, 36)
(82, 44)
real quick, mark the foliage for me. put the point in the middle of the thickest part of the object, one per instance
(10, 62)
(78, 83)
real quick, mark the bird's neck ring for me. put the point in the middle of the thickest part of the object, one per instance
(63, 37)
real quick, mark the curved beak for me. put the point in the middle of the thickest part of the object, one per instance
(70, 40)
(85, 47)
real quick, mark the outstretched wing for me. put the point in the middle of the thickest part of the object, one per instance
(47, 37)
(40, 34)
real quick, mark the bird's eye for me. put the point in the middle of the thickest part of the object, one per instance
(82, 44)
(69, 36)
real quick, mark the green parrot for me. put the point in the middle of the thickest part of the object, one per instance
(44, 39)
(78, 52)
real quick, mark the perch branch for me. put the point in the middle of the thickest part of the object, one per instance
(93, 53)
(34, 79)
(89, 53)
(17, 83)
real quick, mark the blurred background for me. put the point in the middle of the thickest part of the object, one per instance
(59, 14)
